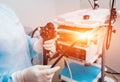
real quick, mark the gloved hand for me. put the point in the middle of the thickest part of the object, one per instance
(48, 45)
(51, 46)
(38, 73)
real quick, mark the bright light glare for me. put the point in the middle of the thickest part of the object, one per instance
(83, 36)
(86, 38)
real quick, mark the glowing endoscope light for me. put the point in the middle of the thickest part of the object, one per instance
(83, 36)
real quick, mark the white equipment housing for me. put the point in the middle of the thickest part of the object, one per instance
(89, 26)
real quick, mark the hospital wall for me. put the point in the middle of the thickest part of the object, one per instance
(34, 13)
(102, 3)
(113, 53)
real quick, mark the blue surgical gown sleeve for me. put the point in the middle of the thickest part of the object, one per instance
(16, 48)
(31, 42)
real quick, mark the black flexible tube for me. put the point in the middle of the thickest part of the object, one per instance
(63, 53)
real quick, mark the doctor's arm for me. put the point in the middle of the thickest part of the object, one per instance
(37, 73)
(36, 46)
